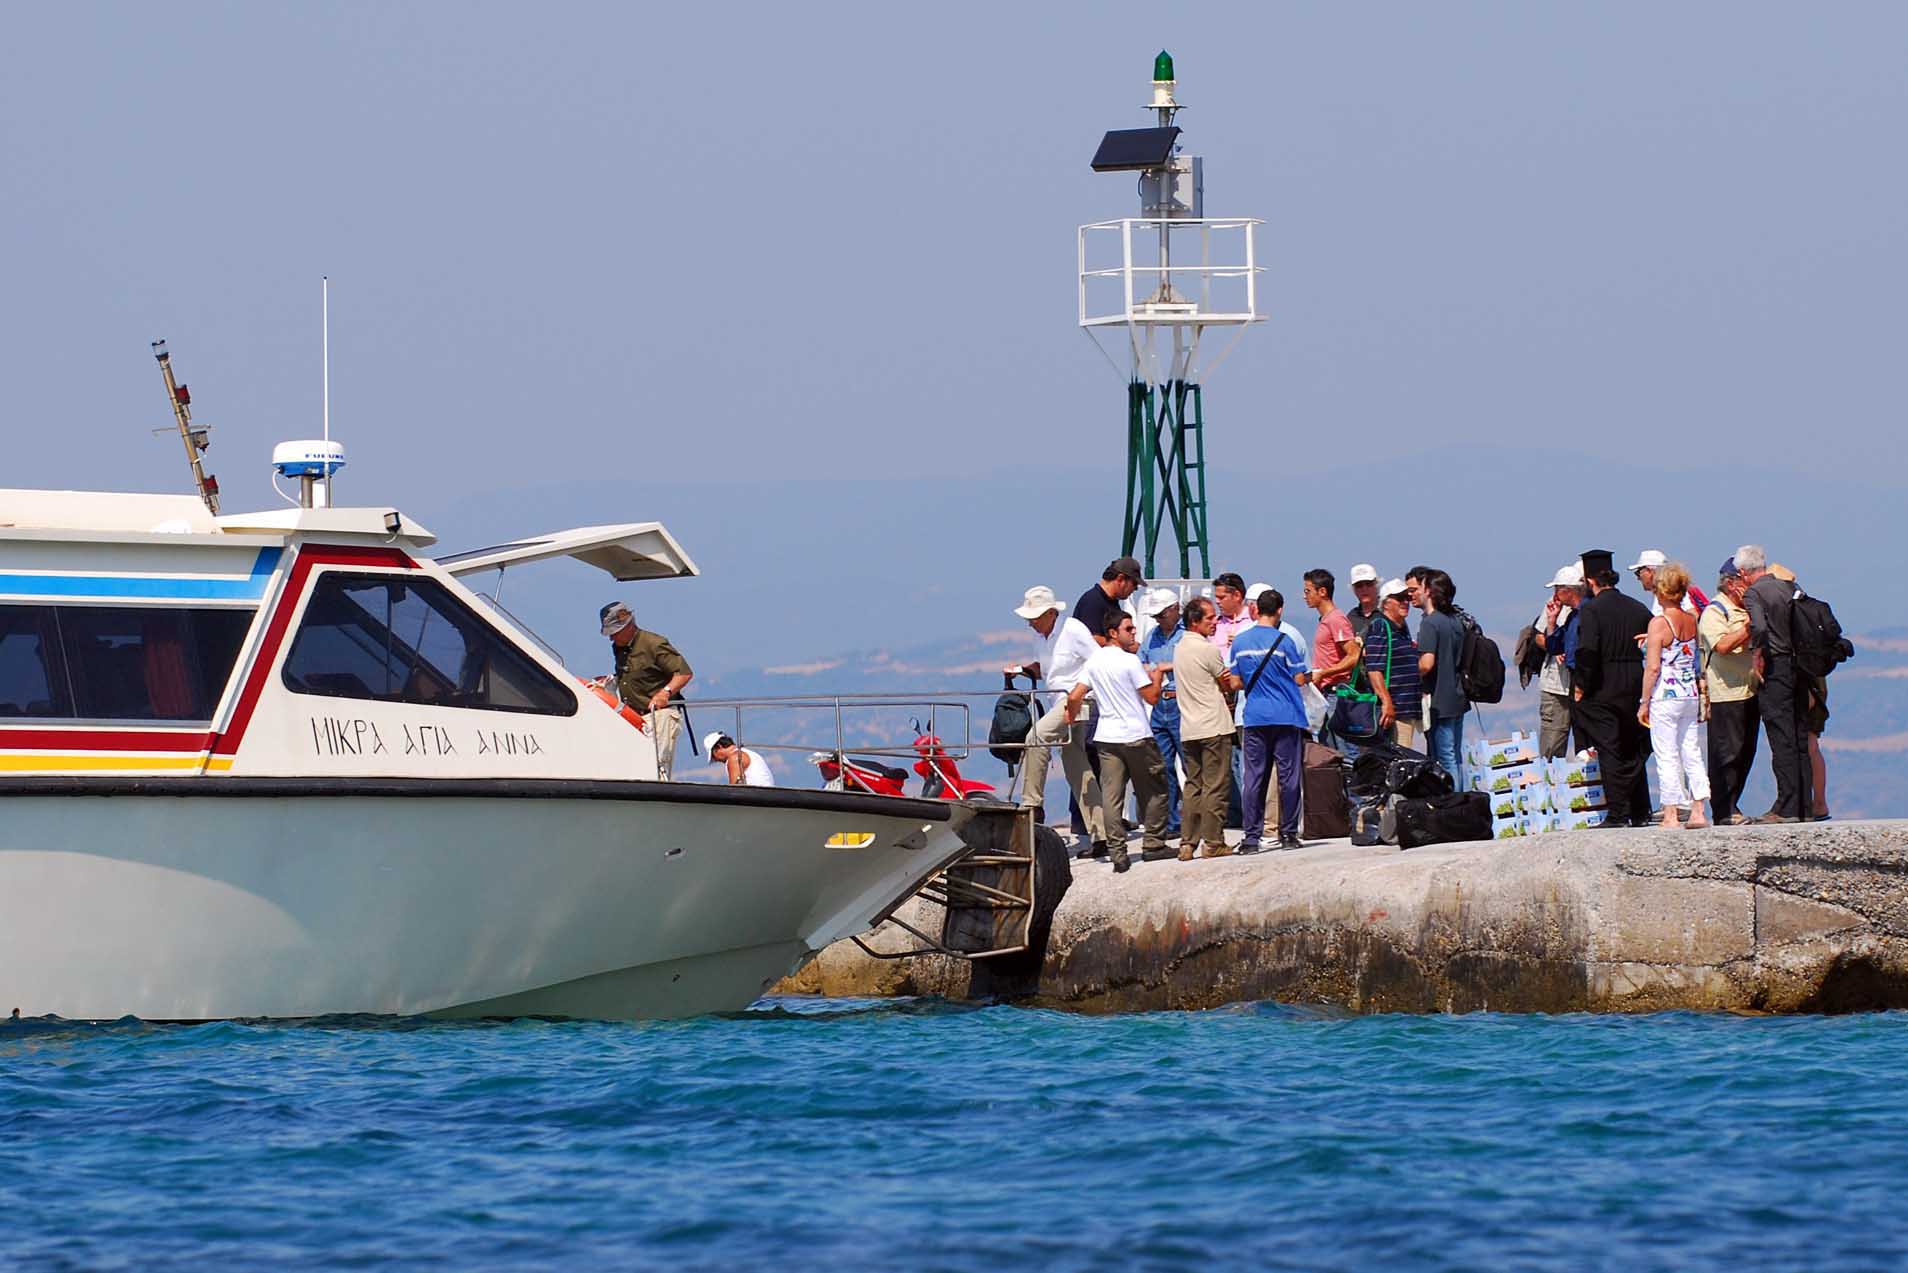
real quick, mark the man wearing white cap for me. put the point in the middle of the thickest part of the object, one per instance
(1364, 586)
(1235, 808)
(1556, 634)
(1647, 563)
(746, 766)
(1068, 648)
(1161, 605)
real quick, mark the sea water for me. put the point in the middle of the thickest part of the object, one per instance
(915, 1135)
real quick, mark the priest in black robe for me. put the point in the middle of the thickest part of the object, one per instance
(1609, 687)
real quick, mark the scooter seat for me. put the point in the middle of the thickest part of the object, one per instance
(874, 766)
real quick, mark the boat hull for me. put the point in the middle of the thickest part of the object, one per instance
(200, 899)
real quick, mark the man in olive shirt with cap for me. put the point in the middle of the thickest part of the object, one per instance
(650, 672)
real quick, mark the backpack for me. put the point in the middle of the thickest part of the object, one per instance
(1480, 664)
(1816, 636)
(1013, 721)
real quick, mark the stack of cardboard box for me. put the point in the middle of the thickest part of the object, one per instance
(1530, 796)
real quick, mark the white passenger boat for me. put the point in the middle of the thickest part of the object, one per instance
(285, 764)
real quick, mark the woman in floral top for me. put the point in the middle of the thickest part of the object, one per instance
(1673, 701)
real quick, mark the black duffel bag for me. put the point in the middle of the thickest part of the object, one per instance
(1386, 769)
(1447, 819)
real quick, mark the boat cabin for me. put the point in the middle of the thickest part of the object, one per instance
(140, 634)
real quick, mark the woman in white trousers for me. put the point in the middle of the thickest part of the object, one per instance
(1672, 704)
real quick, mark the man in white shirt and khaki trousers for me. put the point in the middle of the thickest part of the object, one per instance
(1069, 646)
(1123, 688)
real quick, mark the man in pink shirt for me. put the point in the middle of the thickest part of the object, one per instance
(1229, 591)
(1336, 649)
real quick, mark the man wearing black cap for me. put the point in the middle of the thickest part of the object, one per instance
(1608, 685)
(1120, 580)
(650, 672)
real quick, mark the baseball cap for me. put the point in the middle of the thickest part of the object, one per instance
(1364, 572)
(615, 617)
(1728, 569)
(713, 739)
(1570, 576)
(1252, 593)
(1158, 601)
(1037, 600)
(1393, 588)
(1651, 557)
(1127, 568)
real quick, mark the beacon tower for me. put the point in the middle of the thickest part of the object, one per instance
(1152, 289)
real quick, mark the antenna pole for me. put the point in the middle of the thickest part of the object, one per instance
(196, 440)
(325, 311)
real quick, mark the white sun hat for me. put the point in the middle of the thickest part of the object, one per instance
(1651, 557)
(1364, 572)
(1158, 601)
(1570, 576)
(1394, 588)
(1038, 600)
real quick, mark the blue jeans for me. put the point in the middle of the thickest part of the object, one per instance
(1445, 743)
(1266, 747)
(1166, 734)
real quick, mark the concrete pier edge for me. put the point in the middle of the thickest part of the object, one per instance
(1803, 918)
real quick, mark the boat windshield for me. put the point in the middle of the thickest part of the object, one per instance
(408, 639)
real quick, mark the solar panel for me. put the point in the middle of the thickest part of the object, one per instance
(1133, 149)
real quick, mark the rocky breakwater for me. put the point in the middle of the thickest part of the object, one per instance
(1779, 919)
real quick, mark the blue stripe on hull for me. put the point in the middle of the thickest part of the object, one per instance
(147, 587)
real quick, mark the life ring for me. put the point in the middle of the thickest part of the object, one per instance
(615, 704)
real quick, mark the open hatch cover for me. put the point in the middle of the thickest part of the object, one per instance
(634, 550)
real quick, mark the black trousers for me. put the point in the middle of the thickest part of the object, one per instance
(1784, 704)
(1732, 753)
(1623, 747)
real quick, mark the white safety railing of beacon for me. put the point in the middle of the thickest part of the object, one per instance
(1179, 270)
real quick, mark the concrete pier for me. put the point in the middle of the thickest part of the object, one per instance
(1775, 919)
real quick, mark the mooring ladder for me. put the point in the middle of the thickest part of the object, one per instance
(987, 896)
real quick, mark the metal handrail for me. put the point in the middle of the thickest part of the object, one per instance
(927, 706)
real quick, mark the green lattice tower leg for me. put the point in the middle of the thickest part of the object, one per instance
(1166, 474)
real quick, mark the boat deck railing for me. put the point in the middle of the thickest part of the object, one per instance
(868, 725)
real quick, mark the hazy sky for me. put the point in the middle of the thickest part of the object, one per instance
(604, 262)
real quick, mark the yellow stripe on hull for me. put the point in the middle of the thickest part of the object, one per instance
(31, 762)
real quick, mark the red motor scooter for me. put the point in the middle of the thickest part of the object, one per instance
(940, 776)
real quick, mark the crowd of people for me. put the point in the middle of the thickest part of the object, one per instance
(1202, 705)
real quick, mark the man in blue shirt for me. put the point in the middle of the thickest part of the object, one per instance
(1270, 667)
(1162, 607)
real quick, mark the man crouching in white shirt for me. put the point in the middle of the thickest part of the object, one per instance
(1069, 646)
(1123, 688)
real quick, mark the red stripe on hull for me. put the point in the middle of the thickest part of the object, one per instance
(308, 558)
(100, 740)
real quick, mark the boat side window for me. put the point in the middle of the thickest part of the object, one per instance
(131, 663)
(32, 679)
(409, 639)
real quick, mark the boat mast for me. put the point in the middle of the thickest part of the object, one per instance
(196, 440)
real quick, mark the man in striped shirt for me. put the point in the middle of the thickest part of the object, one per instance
(1391, 660)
